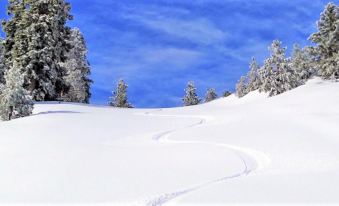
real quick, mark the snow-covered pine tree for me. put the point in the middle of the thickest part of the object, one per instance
(301, 63)
(241, 87)
(226, 94)
(191, 97)
(251, 82)
(253, 76)
(119, 98)
(15, 10)
(36, 34)
(77, 69)
(327, 43)
(265, 72)
(210, 95)
(15, 102)
(277, 75)
(2, 65)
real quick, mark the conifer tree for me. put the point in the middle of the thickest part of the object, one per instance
(36, 38)
(2, 65)
(210, 95)
(241, 87)
(119, 98)
(327, 43)
(15, 10)
(265, 72)
(277, 75)
(226, 94)
(301, 63)
(15, 102)
(191, 97)
(47, 48)
(77, 69)
(253, 76)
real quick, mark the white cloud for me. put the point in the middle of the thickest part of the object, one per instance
(195, 29)
(145, 62)
(174, 56)
(199, 31)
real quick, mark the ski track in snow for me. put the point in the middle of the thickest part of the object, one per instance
(252, 160)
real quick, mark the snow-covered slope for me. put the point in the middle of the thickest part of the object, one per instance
(254, 150)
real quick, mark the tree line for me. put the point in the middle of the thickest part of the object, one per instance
(119, 95)
(279, 73)
(43, 59)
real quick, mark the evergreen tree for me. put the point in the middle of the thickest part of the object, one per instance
(210, 95)
(191, 97)
(226, 94)
(2, 65)
(36, 40)
(15, 101)
(77, 70)
(277, 75)
(253, 76)
(327, 43)
(119, 98)
(301, 63)
(241, 87)
(47, 48)
(251, 82)
(15, 10)
(265, 72)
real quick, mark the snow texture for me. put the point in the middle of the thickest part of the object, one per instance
(255, 150)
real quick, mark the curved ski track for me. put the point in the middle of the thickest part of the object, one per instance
(252, 160)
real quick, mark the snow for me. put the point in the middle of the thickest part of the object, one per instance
(250, 151)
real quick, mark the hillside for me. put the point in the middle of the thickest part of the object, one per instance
(253, 150)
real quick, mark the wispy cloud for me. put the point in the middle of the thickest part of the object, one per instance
(179, 23)
(175, 57)
(144, 63)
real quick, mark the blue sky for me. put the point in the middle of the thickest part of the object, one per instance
(157, 46)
